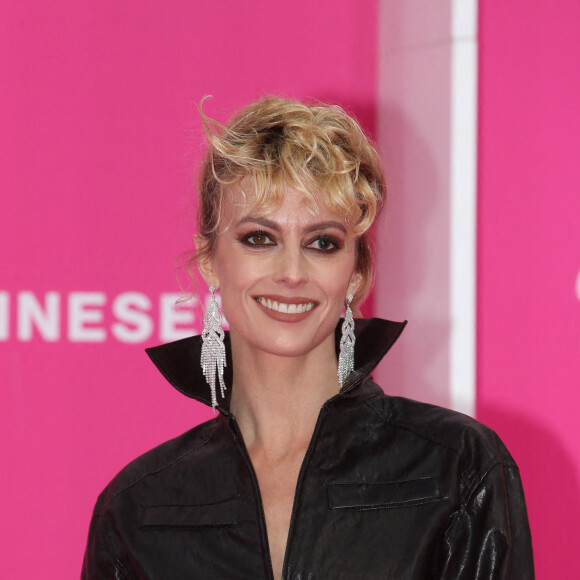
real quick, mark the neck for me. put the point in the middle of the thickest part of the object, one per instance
(276, 399)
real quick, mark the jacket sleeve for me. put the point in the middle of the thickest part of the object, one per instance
(104, 554)
(489, 537)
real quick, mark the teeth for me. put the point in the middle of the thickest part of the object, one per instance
(283, 307)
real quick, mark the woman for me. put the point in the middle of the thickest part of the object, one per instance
(305, 472)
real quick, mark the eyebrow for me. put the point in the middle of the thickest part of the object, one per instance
(267, 223)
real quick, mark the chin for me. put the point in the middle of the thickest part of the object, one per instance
(292, 343)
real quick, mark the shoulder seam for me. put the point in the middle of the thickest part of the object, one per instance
(387, 418)
(422, 435)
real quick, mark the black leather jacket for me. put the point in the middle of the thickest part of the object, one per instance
(389, 488)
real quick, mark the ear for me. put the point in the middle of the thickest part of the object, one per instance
(355, 283)
(205, 263)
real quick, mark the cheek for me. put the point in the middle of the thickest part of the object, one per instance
(337, 280)
(235, 270)
(226, 266)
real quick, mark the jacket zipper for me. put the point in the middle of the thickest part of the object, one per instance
(266, 545)
(301, 474)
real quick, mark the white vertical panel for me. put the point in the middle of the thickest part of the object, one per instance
(463, 208)
(426, 256)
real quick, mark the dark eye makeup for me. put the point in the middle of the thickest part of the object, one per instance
(320, 243)
(324, 244)
(257, 239)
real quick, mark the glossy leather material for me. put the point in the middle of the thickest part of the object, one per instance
(389, 488)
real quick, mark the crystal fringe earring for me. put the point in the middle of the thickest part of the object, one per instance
(213, 350)
(346, 356)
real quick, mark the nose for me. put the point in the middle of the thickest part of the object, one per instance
(291, 268)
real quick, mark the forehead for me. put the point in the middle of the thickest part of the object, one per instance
(290, 205)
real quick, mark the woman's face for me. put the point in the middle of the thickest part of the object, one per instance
(283, 277)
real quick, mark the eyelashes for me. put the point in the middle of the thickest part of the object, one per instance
(325, 244)
(320, 243)
(258, 239)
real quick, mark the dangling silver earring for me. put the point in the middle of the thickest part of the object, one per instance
(346, 356)
(213, 350)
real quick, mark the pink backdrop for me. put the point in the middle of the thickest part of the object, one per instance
(529, 260)
(99, 137)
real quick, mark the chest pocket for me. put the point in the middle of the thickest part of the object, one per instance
(224, 513)
(381, 495)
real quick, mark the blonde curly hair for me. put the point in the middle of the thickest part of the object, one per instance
(276, 143)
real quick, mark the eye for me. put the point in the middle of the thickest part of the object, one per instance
(258, 239)
(324, 244)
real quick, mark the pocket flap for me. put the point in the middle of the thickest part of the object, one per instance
(224, 513)
(368, 496)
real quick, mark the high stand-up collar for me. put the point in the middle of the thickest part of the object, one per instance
(179, 361)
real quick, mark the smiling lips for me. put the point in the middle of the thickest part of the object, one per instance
(295, 310)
